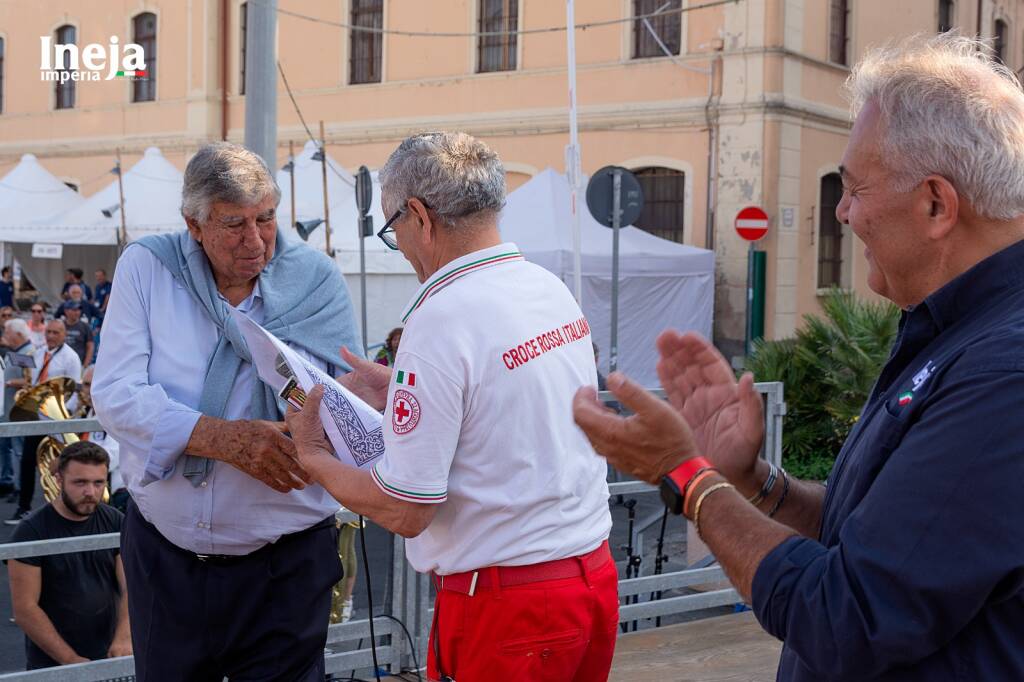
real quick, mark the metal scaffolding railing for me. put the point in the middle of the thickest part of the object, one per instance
(411, 592)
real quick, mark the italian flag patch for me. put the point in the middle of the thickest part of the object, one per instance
(905, 398)
(405, 378)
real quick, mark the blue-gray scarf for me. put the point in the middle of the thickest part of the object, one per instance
(305, 303)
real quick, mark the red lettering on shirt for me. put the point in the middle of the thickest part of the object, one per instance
(544, 342)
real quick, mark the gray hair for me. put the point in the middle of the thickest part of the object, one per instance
(455, 174)
(226, 172)
(948, 108)
(17, 325)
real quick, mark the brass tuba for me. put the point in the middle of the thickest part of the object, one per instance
(48, 401)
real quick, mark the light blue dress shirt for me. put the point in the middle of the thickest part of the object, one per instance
(157, 343)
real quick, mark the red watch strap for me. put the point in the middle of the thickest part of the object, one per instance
(682, 474)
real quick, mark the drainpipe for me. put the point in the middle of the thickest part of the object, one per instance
(224, 16)
(712, 123)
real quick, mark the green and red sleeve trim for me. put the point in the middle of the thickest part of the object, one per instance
(407, 495)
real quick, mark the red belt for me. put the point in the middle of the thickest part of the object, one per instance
(509, 576)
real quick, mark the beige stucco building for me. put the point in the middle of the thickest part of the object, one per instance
(745, 109)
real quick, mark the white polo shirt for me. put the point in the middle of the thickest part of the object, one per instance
(479, 418)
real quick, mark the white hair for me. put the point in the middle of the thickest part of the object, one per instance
(453, 173)
(223, 171)
(17, 326)
(948, 108)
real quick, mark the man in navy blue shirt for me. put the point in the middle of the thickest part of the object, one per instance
(102, 292)
(910, 564)
(6, 288)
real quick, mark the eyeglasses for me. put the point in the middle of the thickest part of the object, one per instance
(387, 233)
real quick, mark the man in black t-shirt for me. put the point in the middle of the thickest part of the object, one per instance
(79, 333)
(72, 607)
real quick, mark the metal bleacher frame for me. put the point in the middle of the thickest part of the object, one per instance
(411, 596)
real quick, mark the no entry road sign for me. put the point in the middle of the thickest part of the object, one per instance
(752, 223)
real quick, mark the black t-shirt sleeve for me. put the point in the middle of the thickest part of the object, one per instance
(27, 531)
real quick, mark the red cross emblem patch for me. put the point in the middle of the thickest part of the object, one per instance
(405, 412)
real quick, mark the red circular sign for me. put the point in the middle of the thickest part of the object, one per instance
(752, 223)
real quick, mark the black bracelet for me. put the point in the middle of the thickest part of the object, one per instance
(782, 498)
(766, 489)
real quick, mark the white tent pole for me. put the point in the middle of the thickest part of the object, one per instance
(572, 153)
(122, 236)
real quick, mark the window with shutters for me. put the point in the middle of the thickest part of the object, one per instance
(839, 32)
(664, 200)
(999, 45)
(666, 28)
(366, 46)
(64, 92)
(497, 52)
(945, 15)
(830, 233)
(144, 35)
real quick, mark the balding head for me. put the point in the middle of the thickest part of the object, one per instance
(56, 332)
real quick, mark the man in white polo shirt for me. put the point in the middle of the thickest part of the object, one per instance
(499, 493)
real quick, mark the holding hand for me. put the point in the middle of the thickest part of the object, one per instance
(368, 380)
(261, 450)
(311, 444)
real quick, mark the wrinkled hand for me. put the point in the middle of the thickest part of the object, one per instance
(368, 380)
(120, 647)
(307, 430)
(261, 450)
(648, 444)
(727, 417)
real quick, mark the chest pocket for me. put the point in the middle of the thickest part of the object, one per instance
(857, 467)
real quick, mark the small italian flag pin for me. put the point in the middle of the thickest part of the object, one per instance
(405, 378)
(905, 398)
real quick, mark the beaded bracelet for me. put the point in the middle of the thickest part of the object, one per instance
(700, 500)
(782, 498)
(766, 489)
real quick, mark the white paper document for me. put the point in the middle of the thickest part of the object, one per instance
(352, 426)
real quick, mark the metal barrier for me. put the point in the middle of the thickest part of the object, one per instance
(411, 592)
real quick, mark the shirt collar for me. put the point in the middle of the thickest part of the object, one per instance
(987, 282)
(250, 301)
(460, 267)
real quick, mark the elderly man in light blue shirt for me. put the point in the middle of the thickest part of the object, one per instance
(230, 554)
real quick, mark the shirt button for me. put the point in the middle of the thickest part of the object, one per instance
(203, 484)
(546, 653)
(201, 524)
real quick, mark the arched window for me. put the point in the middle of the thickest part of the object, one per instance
(664, 195)
(839, 32)
(144, 35)
(999, 44)
(945, 15)
(830, 234)
(64, 87)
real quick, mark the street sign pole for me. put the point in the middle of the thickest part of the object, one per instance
(748, 327)
(364, 197)
(613, 358)
(752, 225)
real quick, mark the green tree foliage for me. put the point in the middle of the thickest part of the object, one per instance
(828, 369)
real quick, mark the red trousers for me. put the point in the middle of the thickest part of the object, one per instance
(562, 629)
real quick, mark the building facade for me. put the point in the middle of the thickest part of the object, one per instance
(715, 108)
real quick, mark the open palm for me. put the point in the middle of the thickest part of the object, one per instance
(726, 416)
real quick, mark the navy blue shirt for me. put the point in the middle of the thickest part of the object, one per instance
(102, 291)
(918, 573)
(6, 293)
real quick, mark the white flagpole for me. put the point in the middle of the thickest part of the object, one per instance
(572, 152)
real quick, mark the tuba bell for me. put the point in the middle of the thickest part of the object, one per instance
(47, 401)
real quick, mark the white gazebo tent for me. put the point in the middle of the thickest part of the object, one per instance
(662, 284)
(89, 229)
(390, 280)
(29, 193)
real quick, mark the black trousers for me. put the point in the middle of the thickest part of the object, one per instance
(263, 617)
(29, 472)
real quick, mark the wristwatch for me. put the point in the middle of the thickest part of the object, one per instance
(673, 484)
